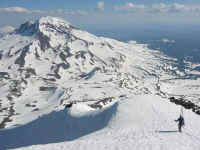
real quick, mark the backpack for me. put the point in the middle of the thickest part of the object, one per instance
(182, 121)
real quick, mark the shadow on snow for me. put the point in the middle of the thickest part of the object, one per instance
(173, 131)
(55, 127)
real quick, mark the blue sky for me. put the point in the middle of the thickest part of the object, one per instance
(104, 14)
(82, 4)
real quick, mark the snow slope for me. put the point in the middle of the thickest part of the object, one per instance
(58, 126)
(119, 92)
(139, 122)
(51, 58)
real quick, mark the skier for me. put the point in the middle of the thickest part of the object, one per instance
(181, 123)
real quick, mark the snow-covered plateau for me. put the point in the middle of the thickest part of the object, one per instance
(64, 88)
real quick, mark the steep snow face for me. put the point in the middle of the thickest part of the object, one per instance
(48, 63)
(55, 31)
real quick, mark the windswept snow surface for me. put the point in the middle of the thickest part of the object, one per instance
(119, 92)
(138, 123)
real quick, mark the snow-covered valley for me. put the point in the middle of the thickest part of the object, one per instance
(119, 93)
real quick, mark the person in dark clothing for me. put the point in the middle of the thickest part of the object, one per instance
(181, 123)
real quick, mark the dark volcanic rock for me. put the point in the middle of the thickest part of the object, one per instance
(4, 75)
(186, 104)
(47, 88)
(21, 59)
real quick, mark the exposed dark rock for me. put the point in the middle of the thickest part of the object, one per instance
(198, 112)
(60, 29)
(28, 72)
(7, 119)
(4, 75)
(110, 46)
(3, 123)
(64, 65)
(44, 41)
(186, 104)
(96, 106)
(9, 97)
(68, 105)
(64, 55)
(3, 109)
(36, 54)
(17, 52)
(80, 54)
(28, 28)
(9, 53)
(90, 74)
(55, 68)
(101, 103)
(31, 70)
(36, 109)
(172, 99)
(1, 55)
(21, 59)
(47, 88)
(49, 79)
(122, 96)
(15, 88)
(29, 105)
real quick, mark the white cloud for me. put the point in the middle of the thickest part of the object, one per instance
(15, 10)
(129, 7)
(170, 8)
(158, 8)
(132, 42)
(100, 5)
(38, 11)
(165, 40)
(67, 12)
(57, 11)
(77, 12)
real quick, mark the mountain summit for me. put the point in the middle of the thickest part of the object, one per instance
(44, 25)
(49, 63)
(47, 30)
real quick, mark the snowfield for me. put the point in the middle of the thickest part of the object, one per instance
(137, 122)
(64, 88)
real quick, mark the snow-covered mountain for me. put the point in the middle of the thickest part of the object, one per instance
(49, 63)
(6, 30)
